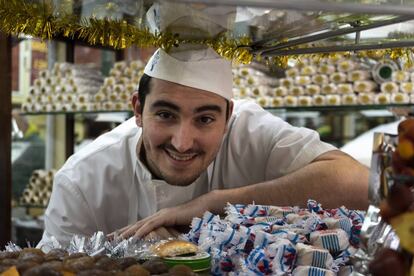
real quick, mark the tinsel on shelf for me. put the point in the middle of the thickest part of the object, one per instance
(39, 188)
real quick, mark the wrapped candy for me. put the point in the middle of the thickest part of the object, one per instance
(349, 99)
(338, 77)
(296, 91)
(358, 75)
(312, 256)
(345, 88)
(302, 80)
(312, 89)
(290, 100)
(304, 100)
(320, 79)
(400, 98)
(311, 270)
(334, 240)
(319, 100)
(280, 91)
(382, 98)
(326, 69)
(407, 87)
(389, 87)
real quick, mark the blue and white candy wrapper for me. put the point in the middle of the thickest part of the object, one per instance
(311, 256)
(311, 271)
(335, 240)
(283, 254)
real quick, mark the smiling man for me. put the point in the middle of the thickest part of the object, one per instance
(190, 148)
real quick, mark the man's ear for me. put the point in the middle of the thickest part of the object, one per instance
(136, 105)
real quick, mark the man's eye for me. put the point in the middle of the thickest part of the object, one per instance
(165, 115)
(206, 120)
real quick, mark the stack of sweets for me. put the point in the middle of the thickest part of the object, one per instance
(250, 83)
(270, 240)
(398, 208)
(39, 188)
(325, 82)
(66, 88)
(117, 89)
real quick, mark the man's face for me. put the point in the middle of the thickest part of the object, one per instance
(182, 130)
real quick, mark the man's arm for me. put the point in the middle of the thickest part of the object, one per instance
(333, 179)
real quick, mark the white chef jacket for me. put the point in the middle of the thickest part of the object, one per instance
(105, 186)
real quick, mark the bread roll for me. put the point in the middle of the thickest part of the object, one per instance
(174, 248)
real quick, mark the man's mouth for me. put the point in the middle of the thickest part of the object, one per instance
(180, 156)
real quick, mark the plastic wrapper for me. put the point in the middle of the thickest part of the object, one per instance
(304, 100)
(389, 87)
(303, 80)
(382, 98)
(292, 72)
(311, 270)
(358, 75)
(349, 99)
(364, 86)
(366, 98)
(286, 82)
(346, 66)
(400, 98)
(333, 99)
(276, 102)
(407, 87)
(329, 88)
(311, 256)
(400, 76)
(345, 88)
(338, 77)
(320, 79)
(312, 89)
(326, 69)
(308, 70)
(319, 100)
(296, 91)
(290, 100)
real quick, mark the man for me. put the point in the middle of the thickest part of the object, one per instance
(194, 150)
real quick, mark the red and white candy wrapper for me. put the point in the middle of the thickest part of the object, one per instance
(263, 239)
(311, 271)
(283, 253)
(308, 255)
(268, 211)
(335, 240)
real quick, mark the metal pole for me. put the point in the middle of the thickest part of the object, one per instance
(342, 48)
(311, 5)
(326, 35)
(50, 119)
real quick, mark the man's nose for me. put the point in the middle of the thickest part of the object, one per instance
(183, 137)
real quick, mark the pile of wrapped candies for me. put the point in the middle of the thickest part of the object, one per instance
(269, 240)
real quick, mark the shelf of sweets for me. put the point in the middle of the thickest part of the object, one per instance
(69, 88)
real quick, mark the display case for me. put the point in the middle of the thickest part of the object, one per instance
(276, 35)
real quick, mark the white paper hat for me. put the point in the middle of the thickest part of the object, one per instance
(199, 68)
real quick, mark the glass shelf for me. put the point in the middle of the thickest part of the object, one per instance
(339, 107)
(75, 112)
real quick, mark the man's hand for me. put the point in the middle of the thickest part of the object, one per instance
(178, 215)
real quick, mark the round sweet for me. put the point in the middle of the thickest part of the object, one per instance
(56, 254)
(9, 255)
(181, 270)
(25, 265)
(107, 264)
(31, 256)
(41, 271)
(126, 262)
(94, 272)
(155, 266)
(137, 270)
(79, 264)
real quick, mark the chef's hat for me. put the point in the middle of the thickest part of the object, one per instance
(199, 68)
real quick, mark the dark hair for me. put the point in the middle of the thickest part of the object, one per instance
(144, 90)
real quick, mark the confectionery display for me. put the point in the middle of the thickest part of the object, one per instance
(270, 240)
(39, 188)
(71, 88)
(327, 82)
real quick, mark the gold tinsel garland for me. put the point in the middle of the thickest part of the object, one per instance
(41, 20)
(18, 16)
